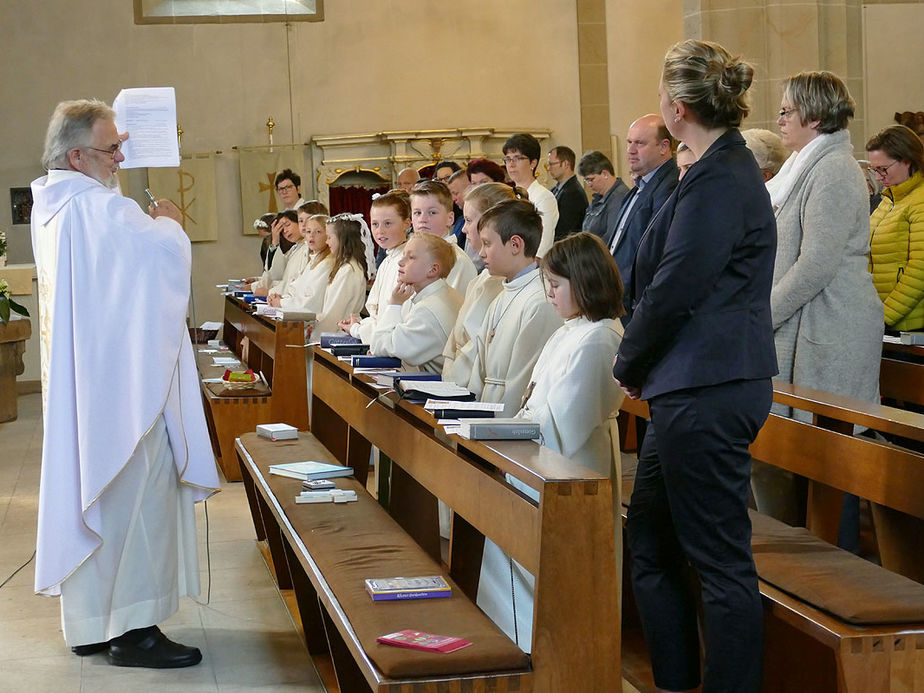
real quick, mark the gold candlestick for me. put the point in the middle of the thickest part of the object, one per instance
(270, 124)
(179, 137)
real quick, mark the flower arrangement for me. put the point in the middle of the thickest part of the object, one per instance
(2, 243)
(8, 305)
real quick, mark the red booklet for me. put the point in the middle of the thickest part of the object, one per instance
(428, 642)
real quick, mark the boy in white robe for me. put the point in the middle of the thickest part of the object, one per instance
(572, 396)
(125, 451)
(520, 319)
(391, 217)
(431, 212)
(422, 309)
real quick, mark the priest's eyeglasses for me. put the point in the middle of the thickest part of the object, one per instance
(112, 151)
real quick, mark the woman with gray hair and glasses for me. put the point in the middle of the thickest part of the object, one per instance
(827, 317)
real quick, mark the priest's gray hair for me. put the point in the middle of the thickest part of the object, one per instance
(70, 127)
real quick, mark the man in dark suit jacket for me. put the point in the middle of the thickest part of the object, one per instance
(572, 200)
(648, 149)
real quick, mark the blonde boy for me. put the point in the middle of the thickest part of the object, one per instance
(422, 308)
(391, 218)
(431, 212)
(520, 320)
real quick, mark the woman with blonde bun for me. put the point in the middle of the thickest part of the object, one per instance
(699, 348)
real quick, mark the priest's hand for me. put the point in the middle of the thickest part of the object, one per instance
(165, 208)
(274, 300)
(401, 293)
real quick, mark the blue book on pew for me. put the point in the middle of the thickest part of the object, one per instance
(349, 349)
(329, 339)
(376, 362)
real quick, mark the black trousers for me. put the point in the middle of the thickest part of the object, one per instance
(689, 508)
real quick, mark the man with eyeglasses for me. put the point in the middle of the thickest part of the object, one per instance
(521, 157)
(608, 189)
(289, 189)
(126, 452)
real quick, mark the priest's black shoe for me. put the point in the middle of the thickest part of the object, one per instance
(148, 647)
(92, 649)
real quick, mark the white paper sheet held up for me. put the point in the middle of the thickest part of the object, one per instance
(148, 114)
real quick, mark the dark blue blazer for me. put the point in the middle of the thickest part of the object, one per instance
(701, 280)
(572, 203)
(649, 201)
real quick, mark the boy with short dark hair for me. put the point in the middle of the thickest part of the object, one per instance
(520, 319)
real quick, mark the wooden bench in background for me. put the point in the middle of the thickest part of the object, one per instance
(282, 365)
(808, 649)
(901, 375)
(566, 540)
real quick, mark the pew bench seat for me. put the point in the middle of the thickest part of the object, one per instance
(870, 619)
(324, 552)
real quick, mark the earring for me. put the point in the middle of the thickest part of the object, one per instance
(676, 118)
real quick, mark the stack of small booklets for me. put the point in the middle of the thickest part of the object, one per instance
(310, 470)
(428, 642)
(389, 589)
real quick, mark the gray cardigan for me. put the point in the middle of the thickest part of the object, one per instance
(827, 317)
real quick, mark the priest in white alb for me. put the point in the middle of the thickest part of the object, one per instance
(126, 451)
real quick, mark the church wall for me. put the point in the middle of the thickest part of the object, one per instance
(371, 65)
(894, 56)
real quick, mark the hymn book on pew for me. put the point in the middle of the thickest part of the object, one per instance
(390, 589)
(310, 470)
(329, 339)
(498, 429)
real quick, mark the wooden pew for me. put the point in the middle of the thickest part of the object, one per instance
(321, 554)
(566, 540)
(282, 365)
(815, 650)
(901, 374)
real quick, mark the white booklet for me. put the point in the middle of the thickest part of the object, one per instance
(310, 470)
(148, 114)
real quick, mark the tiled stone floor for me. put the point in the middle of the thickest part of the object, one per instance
(247, 638)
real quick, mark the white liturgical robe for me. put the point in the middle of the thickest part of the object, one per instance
(515, 328)
(344, 296)
(306, 292)
(119, 380)
(297, 261)
(386, 279)
(457, 364)
(416, 331)
(464, 270)
(573, 394)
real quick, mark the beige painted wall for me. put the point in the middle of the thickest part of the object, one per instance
(371, 65)
(639, 35)
(891, 76)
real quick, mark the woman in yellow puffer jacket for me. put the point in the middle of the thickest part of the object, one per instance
(896, 157)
